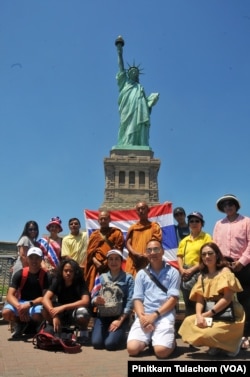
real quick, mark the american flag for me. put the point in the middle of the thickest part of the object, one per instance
(122, 219)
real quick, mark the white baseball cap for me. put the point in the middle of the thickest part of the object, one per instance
(35, 251)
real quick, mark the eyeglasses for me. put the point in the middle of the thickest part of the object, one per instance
(32, 229)
(207, 253)
(194, 221)
(229, 203)
(149, 250)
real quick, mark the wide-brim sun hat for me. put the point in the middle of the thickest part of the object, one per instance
(35, 251)
(55, 221)
(227, 197)
(114, 252)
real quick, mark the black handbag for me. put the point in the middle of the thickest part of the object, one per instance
(226, 314)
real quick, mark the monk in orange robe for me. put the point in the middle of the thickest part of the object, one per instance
(137, 238)
(100, 242)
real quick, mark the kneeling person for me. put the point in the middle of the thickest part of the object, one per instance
(25, 294)
(115, 293)
(154, 306)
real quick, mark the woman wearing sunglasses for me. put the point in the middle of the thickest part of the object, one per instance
(26, 240)
(188, 257)
(232, 235)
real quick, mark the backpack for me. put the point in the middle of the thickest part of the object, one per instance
(25, 273)
(47, 339)
(113, 296)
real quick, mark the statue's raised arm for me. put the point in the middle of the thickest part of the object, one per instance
(134, 106)
(119, 45)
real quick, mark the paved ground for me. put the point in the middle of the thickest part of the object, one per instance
(22, 359)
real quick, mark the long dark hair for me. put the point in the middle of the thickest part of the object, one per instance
(26, 229)
(220, 259)
(78, 279)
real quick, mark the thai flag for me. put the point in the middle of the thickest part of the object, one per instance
(162, 213)
(97, 286)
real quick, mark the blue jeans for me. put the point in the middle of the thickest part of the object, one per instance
(103, 338)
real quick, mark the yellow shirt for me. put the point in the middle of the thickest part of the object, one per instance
(189, 249)
(75, 247)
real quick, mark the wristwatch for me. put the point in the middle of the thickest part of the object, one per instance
(31, 303)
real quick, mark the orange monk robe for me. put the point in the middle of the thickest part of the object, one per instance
(98, 248)
(140, 235)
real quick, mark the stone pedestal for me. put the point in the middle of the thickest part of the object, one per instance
(131, 175)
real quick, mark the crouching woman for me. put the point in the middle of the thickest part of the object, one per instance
(67, 299)
(213, 293)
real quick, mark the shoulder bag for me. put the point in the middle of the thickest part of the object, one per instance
(156, 281)
(226, 314)
(189, 283)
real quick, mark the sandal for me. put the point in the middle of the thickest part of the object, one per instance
(245, 343)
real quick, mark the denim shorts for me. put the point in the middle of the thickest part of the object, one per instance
(36, 309)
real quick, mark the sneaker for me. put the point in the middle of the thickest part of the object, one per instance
(244, 343)
(83, 340)
(19, 329)
(84, 333)
(213, 351)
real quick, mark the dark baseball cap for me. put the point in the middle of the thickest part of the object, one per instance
(196, 214)
(179, 210)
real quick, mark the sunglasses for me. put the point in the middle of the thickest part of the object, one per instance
(207, 253)
(229, 203)
(156, 250)
(32, 229)
(194, 221)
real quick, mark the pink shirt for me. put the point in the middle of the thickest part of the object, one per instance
(233, 238)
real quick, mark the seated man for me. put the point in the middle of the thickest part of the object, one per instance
(155, 296)
(72, 295)
(25, 294)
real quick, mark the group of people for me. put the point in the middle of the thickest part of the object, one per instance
(215, 268)
(212, 268)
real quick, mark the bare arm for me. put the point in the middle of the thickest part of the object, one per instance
(23, 255)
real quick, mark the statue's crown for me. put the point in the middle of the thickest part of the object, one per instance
(134, 66)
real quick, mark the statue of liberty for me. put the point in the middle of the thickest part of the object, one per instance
(134, 106)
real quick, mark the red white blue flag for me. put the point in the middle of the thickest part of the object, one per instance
(97, 286)
(122, 219)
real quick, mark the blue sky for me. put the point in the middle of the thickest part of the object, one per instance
(58, 102)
